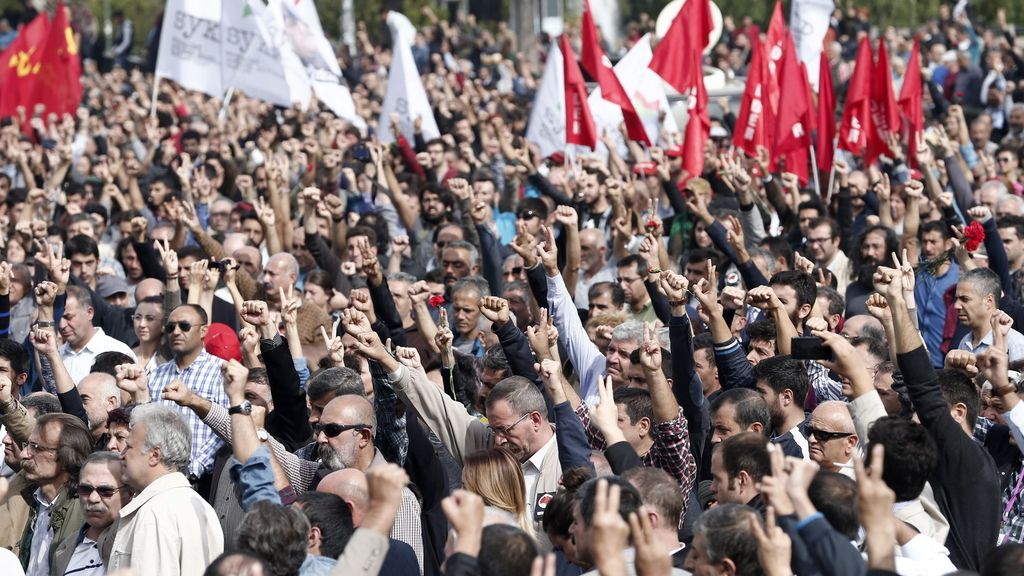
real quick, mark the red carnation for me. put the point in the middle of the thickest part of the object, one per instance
(974, 235)
(651, 225)
(436, 301)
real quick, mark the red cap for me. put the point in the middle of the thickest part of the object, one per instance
(557, 158)
(645, 168)
(675, 151)
(222, 342)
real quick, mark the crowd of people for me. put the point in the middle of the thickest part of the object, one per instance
(263, 343)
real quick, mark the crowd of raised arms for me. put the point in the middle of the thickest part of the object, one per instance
(266, 344)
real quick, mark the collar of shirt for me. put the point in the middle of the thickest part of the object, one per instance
(66, 350)
(203, 357)
(41, 500)
(538, 457)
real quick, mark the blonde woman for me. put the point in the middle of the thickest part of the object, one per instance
(496, 476)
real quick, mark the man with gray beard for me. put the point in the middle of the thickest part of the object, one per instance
(344, 437)
(101, 495)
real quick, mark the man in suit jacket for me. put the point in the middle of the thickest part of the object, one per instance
(101, 494)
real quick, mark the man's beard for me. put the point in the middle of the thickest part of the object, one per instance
(332, 459)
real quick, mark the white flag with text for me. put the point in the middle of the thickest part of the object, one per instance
(405, 95)
(809, 21)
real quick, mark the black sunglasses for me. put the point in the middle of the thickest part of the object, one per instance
(84, 490)
(527, 214)
(824, 435)
(333, 430)
(185, 326)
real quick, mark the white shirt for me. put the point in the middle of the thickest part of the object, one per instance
(531, 473)
(9, 563)
(1014, 344)
(86, 560)
(42, 538)
(79, 363)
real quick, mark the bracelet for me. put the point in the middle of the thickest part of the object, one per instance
(677, 302)
(336, 220)
(653, 270)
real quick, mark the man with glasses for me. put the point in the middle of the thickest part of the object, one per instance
(219, 219)
(632, 273)
(831, 437)
(39, 509)
(200, 371)
(823, 239)
(101, 494)
(345, 439)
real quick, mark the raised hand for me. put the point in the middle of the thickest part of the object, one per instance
(256, 312)
(168, 257)
(139, 225)
(650, 349)
(610, 533)
(567, 216)
(410, 357)
(905, 272)
(673, 286)
(235, 376)
(706, 290)
(495, 309)
(290, 304)
(525, 245)
(6, 275)
(356, 322)
(335, 348)
(963, 361)
(460, 188)
(176, 391)
(547, 251)
(45, 341)
(419, 292)
(764, 298)
(132, 378)
(46, 293)
(774, 548)
(605, 415)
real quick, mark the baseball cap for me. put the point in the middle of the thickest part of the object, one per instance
(107, 286)
(222, 342)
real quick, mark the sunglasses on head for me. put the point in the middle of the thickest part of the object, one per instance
(84, 490)
(333, 430)
(185, 326)
(527, 214)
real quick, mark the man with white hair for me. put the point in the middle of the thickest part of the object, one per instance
(281, 273)
(990, 194)
(831, 437)
(167, 529)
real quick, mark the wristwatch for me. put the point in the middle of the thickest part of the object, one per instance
(42, 324)
(243, 408)
(262, 434)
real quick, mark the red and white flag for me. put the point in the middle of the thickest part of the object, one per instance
(751, 125)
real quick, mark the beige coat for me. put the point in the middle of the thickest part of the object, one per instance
(167, 530)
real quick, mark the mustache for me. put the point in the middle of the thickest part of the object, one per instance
(96, 507)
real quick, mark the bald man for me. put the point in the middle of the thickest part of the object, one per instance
(863, 325)
(831, 437)
(281, 273)
(147, 288)
(344, 438)
(349, 484)
(100, 395)
(593, 266)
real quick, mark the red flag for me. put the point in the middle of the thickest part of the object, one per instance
(885, 116)
(697, 129)
(792, 131)
(596, 63)
(773, 58)
(672, 58)
(21, 64)
(826, 116)
(579, 124)
(751, 125)
(910, 101)
(856, 114)
(59, 85)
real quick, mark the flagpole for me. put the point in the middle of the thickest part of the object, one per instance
(831, 182)
(223, 114)
(814, 169)
(152, 100)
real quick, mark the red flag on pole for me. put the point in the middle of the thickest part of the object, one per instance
(59, 85)
(774, 45)
(579, 124)
(826, 116)
(910, 101)
(596, 63)
(21, 64)
(751, 125)
(792, 131)
(885, 116)
(672, 59)
(856, 114)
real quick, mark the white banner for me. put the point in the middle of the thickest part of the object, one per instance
(547, 118)
(190, 46)
(808, 21)
(252, 60)
(646, 91)
(405, 95)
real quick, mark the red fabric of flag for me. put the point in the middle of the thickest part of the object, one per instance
(826, 116)
(596, 63)
(21, 64)
(751, 125)
(910, 101)
(672, 59)
(853, 134)
(579, 124)
(774, 45)
(792, 131)
(885, 116)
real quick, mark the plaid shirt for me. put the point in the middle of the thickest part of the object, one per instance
(204, 378)
(670, 451)
(825, 388)
(1012, 529)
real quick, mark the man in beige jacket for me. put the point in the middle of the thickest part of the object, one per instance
(167, 529)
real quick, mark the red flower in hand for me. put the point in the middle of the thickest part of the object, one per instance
(974, 235)
(651, 225)
(436, 301)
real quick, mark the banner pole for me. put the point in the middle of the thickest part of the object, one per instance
(152, 100)
(814, 170)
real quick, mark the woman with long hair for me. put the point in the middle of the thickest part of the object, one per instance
(496, 476)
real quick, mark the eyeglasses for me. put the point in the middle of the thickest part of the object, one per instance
(185, 326)
(819, 240)
(219, 214)
(824, 435)
(333, 430)
(1004, 160)
(84, 490)
(35, 448)
(505, 430)
(516, 271)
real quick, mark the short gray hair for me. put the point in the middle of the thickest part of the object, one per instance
(105, 458)
(166, 429)
(629, 331)
(477, 283)
(474, 254)
(728, 534)
(402, 277)
(522, 396)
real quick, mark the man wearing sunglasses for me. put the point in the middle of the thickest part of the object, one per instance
(200, 371)
(831, 437)
(101, 495)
